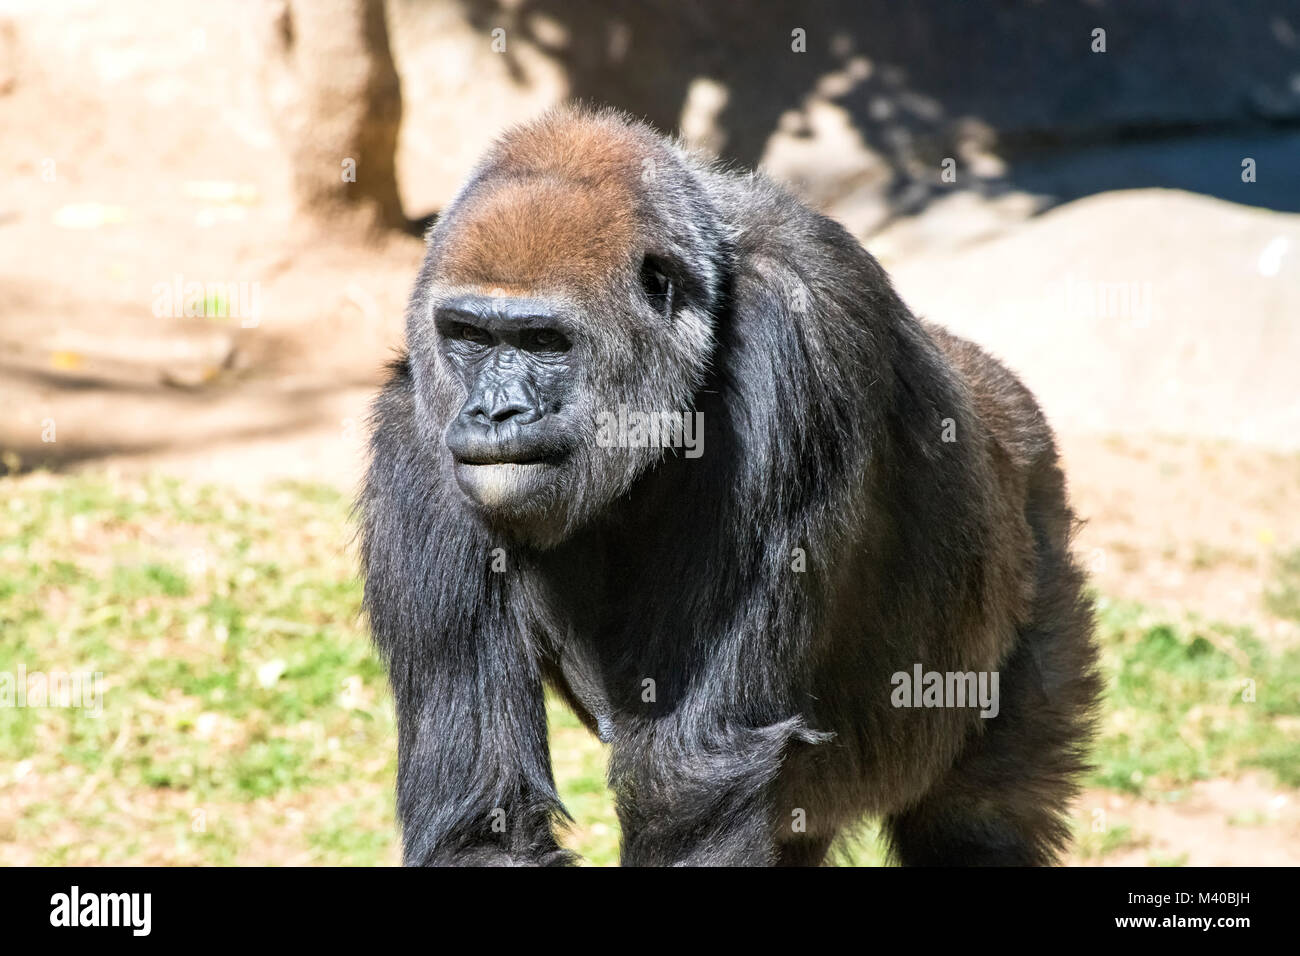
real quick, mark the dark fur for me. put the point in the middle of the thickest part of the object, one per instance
(823, 402)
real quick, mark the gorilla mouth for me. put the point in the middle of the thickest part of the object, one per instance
(473, 448)
(488, 460)
(504, 472)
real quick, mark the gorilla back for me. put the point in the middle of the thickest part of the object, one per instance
(778, 629)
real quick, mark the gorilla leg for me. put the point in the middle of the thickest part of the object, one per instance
(1001, 804)
(1004, 802)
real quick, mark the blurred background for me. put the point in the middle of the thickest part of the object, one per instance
(210, 219)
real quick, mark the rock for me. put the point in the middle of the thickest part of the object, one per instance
(1139, 311)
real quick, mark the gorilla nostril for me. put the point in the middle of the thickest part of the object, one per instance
(507, 411)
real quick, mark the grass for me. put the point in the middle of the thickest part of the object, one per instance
(1095, 845)
(245, 719)
(1190, 701)
(1283, 598)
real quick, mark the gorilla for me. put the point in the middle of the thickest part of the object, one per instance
(778, 627)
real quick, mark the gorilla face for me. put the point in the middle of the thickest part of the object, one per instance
(533, 373)
(516, 431)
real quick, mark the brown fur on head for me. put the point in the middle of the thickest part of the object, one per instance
(554, 205)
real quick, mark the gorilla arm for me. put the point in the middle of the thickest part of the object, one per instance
(474, 782)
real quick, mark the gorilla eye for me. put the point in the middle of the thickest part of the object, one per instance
(545, 340)
(473, 334)
(658, 287)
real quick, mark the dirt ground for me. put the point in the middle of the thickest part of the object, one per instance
(1188, 480)
(1221, 822)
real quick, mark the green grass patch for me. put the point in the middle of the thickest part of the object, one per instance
(1283, 596)
(1191, 700)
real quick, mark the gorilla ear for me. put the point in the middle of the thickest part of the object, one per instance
(658, 286)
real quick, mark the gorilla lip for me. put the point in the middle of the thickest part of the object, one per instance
(506, 447)
(485, 459)
(501, 473)
(498, 484)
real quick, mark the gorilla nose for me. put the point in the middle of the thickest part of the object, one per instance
(504, 405)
